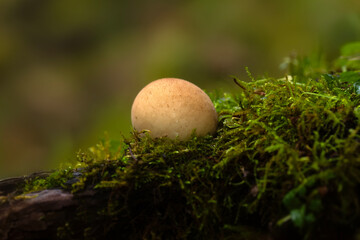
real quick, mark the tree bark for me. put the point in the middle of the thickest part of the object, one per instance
(35, 215)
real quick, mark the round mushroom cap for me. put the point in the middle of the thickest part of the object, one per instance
(173, 107)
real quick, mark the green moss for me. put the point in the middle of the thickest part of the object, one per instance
(285, 158)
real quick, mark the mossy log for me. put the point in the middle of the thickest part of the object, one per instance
(46, 214)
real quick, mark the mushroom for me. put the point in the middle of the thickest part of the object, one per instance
(174, 108)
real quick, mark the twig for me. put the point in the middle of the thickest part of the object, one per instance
(132, 155)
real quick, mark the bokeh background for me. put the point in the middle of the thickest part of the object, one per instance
(70, 69)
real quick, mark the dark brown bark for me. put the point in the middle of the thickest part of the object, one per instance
(10, 185)
(35, 215)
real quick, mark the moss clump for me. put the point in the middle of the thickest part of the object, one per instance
(285, 160)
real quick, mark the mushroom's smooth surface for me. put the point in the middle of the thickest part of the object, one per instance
(173, 107)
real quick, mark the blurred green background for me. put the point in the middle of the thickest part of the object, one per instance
(70, 69)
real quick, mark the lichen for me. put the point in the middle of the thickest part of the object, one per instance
(285, 158)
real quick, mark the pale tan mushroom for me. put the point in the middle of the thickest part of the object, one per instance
(174, 108)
